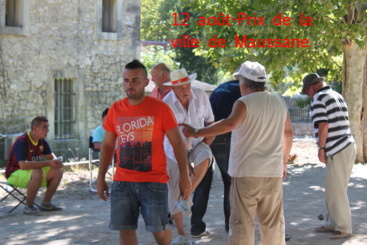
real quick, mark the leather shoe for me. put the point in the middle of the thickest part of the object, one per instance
(339, 235)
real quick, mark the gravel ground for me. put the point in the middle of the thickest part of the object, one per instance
(85, 217)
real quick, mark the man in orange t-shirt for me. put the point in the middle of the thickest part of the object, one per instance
(139, 124)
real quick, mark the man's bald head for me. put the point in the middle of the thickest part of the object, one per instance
(160, 74)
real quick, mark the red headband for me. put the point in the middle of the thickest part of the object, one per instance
(180, 80)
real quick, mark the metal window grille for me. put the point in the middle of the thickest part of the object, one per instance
(109, 16)
(13, 15)
(64, 108)
(300, 114)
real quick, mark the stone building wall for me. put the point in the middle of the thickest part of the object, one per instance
(63, 39)
(302, 129)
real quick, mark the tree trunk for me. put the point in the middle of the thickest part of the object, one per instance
(364, 109)
(354, 92)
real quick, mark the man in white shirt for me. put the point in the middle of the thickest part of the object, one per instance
(190, 105)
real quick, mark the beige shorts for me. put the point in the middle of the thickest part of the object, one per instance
(173, 186)
(201, 152)
(196, 156)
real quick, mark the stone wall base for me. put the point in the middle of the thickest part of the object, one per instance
(303, 129)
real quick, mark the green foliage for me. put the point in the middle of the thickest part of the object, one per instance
(156, 25)
(156, 20)
(156, 54)
(224, 76)
(206, 72)
(302, 102)
(337, 86)
(332, 23)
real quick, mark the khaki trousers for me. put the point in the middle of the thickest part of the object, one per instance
(261, 196)
(337, 175)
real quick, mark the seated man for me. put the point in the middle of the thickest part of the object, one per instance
(98, 133)
(190, 105)
(32, 165)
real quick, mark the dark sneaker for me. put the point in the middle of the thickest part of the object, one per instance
(287, 236)
(226, 228)
(49, 207)
(31, 210)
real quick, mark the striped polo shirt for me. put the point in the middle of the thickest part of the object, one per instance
(329, 106)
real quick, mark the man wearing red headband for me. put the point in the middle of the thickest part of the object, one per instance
(190, 105)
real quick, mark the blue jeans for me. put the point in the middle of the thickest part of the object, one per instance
(221, 148)
(200, 200)
(128, 199)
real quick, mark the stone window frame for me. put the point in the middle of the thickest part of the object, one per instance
(109, 13)
(65, 107)
(117, 16)
(23, 17)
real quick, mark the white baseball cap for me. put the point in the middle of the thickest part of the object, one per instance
(253, 71)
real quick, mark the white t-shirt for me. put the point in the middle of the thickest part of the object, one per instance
(199, 113)
(257, 143)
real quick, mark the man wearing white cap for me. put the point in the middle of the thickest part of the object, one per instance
(260, 145)
(190, 105)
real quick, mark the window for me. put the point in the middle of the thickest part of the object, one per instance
(109, 17)
(109, 21)
(64, 108)
(14, 13)
(14, 17)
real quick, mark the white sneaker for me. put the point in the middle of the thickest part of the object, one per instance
(184, 206)
(181, 240)
(204, 233)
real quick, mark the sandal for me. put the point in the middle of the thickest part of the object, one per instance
(339, 235)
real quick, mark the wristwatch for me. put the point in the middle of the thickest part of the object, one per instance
(196, 130)
(321, 148)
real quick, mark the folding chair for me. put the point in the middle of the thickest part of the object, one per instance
(12, 191)
(94, 163)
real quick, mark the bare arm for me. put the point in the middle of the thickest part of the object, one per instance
(97, 145)
(105, 158)
(208, 139)
(51, 161)
(323, 128)
(238, 114)
(287, 144)
(179, 150)
(50, 156)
